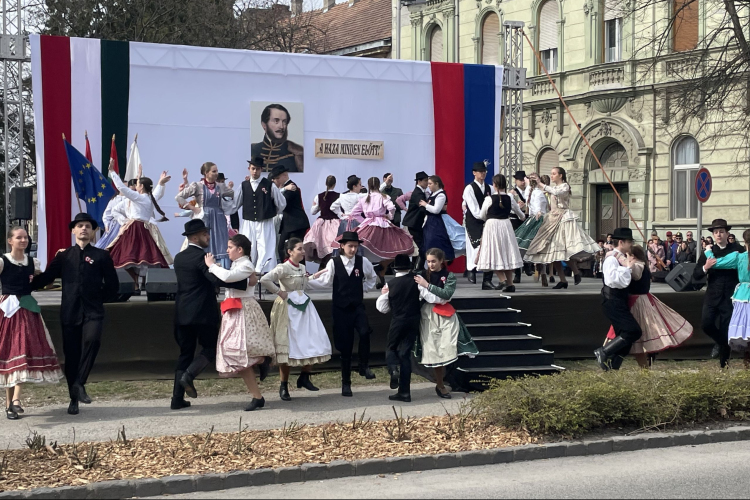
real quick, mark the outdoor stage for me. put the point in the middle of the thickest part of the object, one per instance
(138, 338)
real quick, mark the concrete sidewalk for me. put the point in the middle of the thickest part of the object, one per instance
(101, 421)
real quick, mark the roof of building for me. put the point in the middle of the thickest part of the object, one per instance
(362, 22)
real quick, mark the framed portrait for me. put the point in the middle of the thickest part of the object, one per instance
(277, 134)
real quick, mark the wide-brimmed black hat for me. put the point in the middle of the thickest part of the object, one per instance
(257, 161)
(622, 233)
(479, 166)
(719, 224)
(349, 236)
(520, 175)
(402, 263)
(83, 217)
(277, 171)
(194, 226)
(220, 177)
(420, 176)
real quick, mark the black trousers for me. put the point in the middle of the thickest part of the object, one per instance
(81, 344)
(345, 321)
(284, 237)
(401, 337)
(189, 336)
(717, 312)
(617, 311)
(418, 237)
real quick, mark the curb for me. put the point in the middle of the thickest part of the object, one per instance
(174, 485)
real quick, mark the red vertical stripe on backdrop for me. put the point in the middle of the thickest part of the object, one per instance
(57, 117)
(448, 106)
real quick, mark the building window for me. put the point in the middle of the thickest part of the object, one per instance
(547, 161)
(436, 45)
(490, 43)
(548, 24)
(612, 40)
(684, 25)
(686, 163)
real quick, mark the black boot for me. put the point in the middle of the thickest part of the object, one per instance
(517, 275)
(284, 391)
(616, 362)
(196, 367)
(472, 276)
(255, 404)
(724, 352)
(178, 393)
(304, 381)
(73, 407)
(79, 394)
(395, 375)
(365, 371)
(263, 368)
(604, 354)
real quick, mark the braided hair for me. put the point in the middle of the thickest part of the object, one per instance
(148, 187)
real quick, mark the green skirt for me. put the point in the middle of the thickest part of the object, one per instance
(526, 232)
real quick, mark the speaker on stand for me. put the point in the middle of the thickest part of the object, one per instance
(161, 284)
(681, 278)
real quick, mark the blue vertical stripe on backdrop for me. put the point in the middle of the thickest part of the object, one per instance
(479, 118)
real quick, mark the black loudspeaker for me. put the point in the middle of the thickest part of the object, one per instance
(161, 284)
(21, 201)
(127, 286)
(681, 278)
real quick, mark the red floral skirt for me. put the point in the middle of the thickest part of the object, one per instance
(136, 247)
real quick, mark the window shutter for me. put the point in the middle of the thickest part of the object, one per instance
(548, 25)
(490, 43)
(547, 161)
(436, 44)
(685, 28)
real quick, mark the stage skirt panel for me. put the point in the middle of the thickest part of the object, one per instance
(319, 239)
(245, 339)
(559, 239)
(526, 233)
(300, 339)
(26, 351)
(436, 236)
(109, 236)
(498, 250)
(139, 244)
(662, 327)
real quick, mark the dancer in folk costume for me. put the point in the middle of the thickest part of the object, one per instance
(324, 230)
(350, 275)
(440, 230)
(294, 222)
(216, 200)
(245, 340)
(300, 338)
(344, 205)
(392, 192)
(26, 351)
(662, 327)
(89, 279)
(474, 196)
(443, 337)
(538, 206)
(560, 238)
(115, 215)
(499, 249)
(261, 201)
(415, 215)
(520, 193)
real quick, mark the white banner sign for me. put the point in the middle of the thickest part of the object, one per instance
(357, 150)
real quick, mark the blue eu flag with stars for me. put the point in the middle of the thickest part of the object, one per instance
(90, 184)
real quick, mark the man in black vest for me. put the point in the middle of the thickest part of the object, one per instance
(260, 200)
(522, 191)
(473, 197)
(294, 221)
(351, 276)
(414, 218)
(197, 314)
(720, 285)
(89, 280)
(391, 191)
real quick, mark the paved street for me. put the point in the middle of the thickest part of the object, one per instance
(706, 471)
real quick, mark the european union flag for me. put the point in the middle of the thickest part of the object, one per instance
(90, 184)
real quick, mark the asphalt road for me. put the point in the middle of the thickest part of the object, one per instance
(706, 471)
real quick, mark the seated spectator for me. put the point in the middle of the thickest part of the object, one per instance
(684, 254)
(674, 247)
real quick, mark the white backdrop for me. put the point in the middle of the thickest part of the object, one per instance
(190, 105)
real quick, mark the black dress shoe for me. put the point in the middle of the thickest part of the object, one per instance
(441, 394)
(509, 289)
(576, 278)
(179, 404)
(366, 372)
(284, 391)
(406, 398)
(80, 394)
(551, 279)
(255, 404)
(16, 407)
(487, 285)
(304, 381)
(73, 408)
(472, 277)
(346, 390)
(187, 383)
(562, 284)
(263, 369)
(10, 414)
(395, 375)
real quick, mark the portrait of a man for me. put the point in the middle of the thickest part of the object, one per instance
(276, 148)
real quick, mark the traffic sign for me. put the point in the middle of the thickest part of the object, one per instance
(703, 185)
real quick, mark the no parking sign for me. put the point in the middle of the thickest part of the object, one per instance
(703, 185)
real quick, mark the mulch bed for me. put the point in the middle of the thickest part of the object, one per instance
(52, 465)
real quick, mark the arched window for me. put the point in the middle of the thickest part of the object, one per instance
(548, 17)
(614, 156)
(547, 161)
(612, 32)
(436, 45)
(684, 25)
(490, 45)
(685, 165)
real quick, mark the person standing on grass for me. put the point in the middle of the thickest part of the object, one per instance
(89, 280)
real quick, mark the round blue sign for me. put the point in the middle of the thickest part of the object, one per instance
(703, 185)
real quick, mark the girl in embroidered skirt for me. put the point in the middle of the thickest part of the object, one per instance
(26, 351)
(323, 232)
(245, 340)
(440, 229)
(538, 207)
(300, 339)
(443, 337)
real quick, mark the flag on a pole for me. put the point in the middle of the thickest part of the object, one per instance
(134, 160)
(113, 156)
(88, 147)
(90, 184)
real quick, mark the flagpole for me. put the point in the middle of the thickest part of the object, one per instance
(77, 198)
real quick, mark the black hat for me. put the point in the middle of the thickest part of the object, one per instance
(194, 226)
(420, 176)
(719, 224)
(277, 171)
(349, 236)
(83, 217)
(622, 233)
(220, 177)
(520, 175)
(479, 166)
(257, 161)
(402, 263)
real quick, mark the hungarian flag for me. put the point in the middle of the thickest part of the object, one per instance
(113, 158)
(88, 148)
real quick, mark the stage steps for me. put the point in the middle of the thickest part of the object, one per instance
(506, 346)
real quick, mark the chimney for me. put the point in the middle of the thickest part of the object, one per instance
(296, 7)
(352, 2)
(328, 5)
